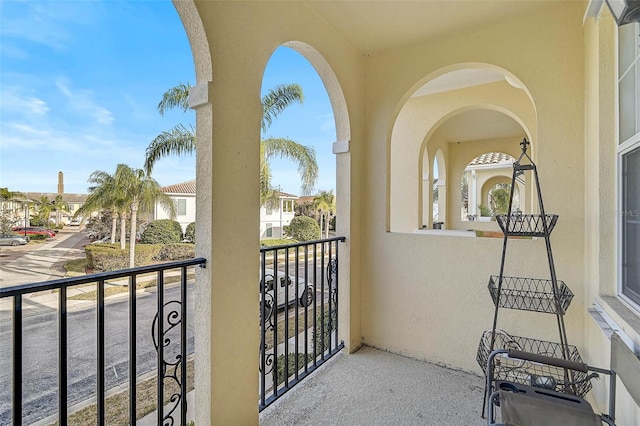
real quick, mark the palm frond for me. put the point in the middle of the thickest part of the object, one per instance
(304, 156)
(277, 100)
(178, 141)
(176, 97)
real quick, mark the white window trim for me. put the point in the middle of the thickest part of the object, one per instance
(621, 149)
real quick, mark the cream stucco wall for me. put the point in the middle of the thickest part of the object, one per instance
(415, 134)
(425, 295)
(600, 211)
(232, 42)
(420, 295)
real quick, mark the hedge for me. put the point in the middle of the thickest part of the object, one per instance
(163, 231)
(303, 228)
(109, 257)
(178, 251)
(190, 232)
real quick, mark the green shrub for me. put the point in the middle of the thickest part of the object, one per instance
(178, 251)
(303, 228)
(302, 360)
(163, 231)
(190, 232)
(33, 237)
(109, 257)
(276, 242)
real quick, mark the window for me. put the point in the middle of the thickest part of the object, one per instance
(269, 232)
(629, 160)
(182, 207)
(288, 206)
(269, 210)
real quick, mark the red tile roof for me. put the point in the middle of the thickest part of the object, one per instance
(181, 188)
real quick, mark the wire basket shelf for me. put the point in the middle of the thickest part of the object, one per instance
(526, 225)
(530, 294)
(532, 373)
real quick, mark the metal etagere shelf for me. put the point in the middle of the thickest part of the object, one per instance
(545, 295)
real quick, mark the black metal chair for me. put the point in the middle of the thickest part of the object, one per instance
(538, 402)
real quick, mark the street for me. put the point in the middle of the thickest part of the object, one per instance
(40, 332)
(40, 362)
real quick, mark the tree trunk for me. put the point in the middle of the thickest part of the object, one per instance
(114, 227)
(123, 231)
(132, 236)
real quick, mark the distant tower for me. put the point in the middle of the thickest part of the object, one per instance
(60, 183)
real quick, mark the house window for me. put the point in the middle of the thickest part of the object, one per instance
(629, 160)
(288, 206)
(269, 210)
(269, 232)
(181, 207)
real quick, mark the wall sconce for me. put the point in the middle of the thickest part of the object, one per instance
(625, 11)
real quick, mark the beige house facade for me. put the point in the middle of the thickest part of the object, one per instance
(410, 83)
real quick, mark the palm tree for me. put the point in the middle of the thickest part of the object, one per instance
(126, 192)
(59, 205)
(181, 140)
(140, 192)
(499, 198)
(104, 195)
(44, 207)
(325, 203)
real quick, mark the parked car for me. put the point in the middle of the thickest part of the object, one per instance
(306, 294)
(34, 230)
(13, 240)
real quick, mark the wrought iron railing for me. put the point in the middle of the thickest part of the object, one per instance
(298, 313)
(168, 325)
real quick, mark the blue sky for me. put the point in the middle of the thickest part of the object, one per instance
(80, 82)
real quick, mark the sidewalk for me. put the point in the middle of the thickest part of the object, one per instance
(44, 262)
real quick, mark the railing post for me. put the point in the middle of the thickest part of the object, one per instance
(183, 347)
(160, 374)
(132, 349)
(17, 360)
(100, 385)
(62, 357)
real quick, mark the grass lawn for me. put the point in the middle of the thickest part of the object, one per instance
(117, 406)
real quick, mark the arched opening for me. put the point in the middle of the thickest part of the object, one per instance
(482, 175)
(451, 118)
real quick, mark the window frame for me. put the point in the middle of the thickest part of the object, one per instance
(178, 202)
(623, 148)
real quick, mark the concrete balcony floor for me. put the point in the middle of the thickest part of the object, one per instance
(373, 387)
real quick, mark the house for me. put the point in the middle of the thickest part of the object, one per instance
(272, 219)
(184, 196)
(410, 82)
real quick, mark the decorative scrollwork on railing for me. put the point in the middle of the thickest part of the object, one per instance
(332, 279)
(267, 324)
(172, 361)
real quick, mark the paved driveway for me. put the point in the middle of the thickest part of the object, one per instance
(40, 260)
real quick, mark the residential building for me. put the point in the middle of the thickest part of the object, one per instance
(184, 195)
(273, 219)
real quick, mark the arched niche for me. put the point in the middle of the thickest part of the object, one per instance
(421, 129)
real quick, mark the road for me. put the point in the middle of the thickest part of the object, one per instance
(40, 362)
(40, 345)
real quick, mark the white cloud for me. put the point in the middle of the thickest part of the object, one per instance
(48, 23)
(14, 100)
(82, 101)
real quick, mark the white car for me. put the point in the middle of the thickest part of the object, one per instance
(306, 294)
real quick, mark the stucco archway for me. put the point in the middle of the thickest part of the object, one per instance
(421, 126)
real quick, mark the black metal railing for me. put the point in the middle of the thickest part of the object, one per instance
(298, 313)
(168, 325)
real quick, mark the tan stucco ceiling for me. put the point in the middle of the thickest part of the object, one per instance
(376, 26)
(480, 125)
